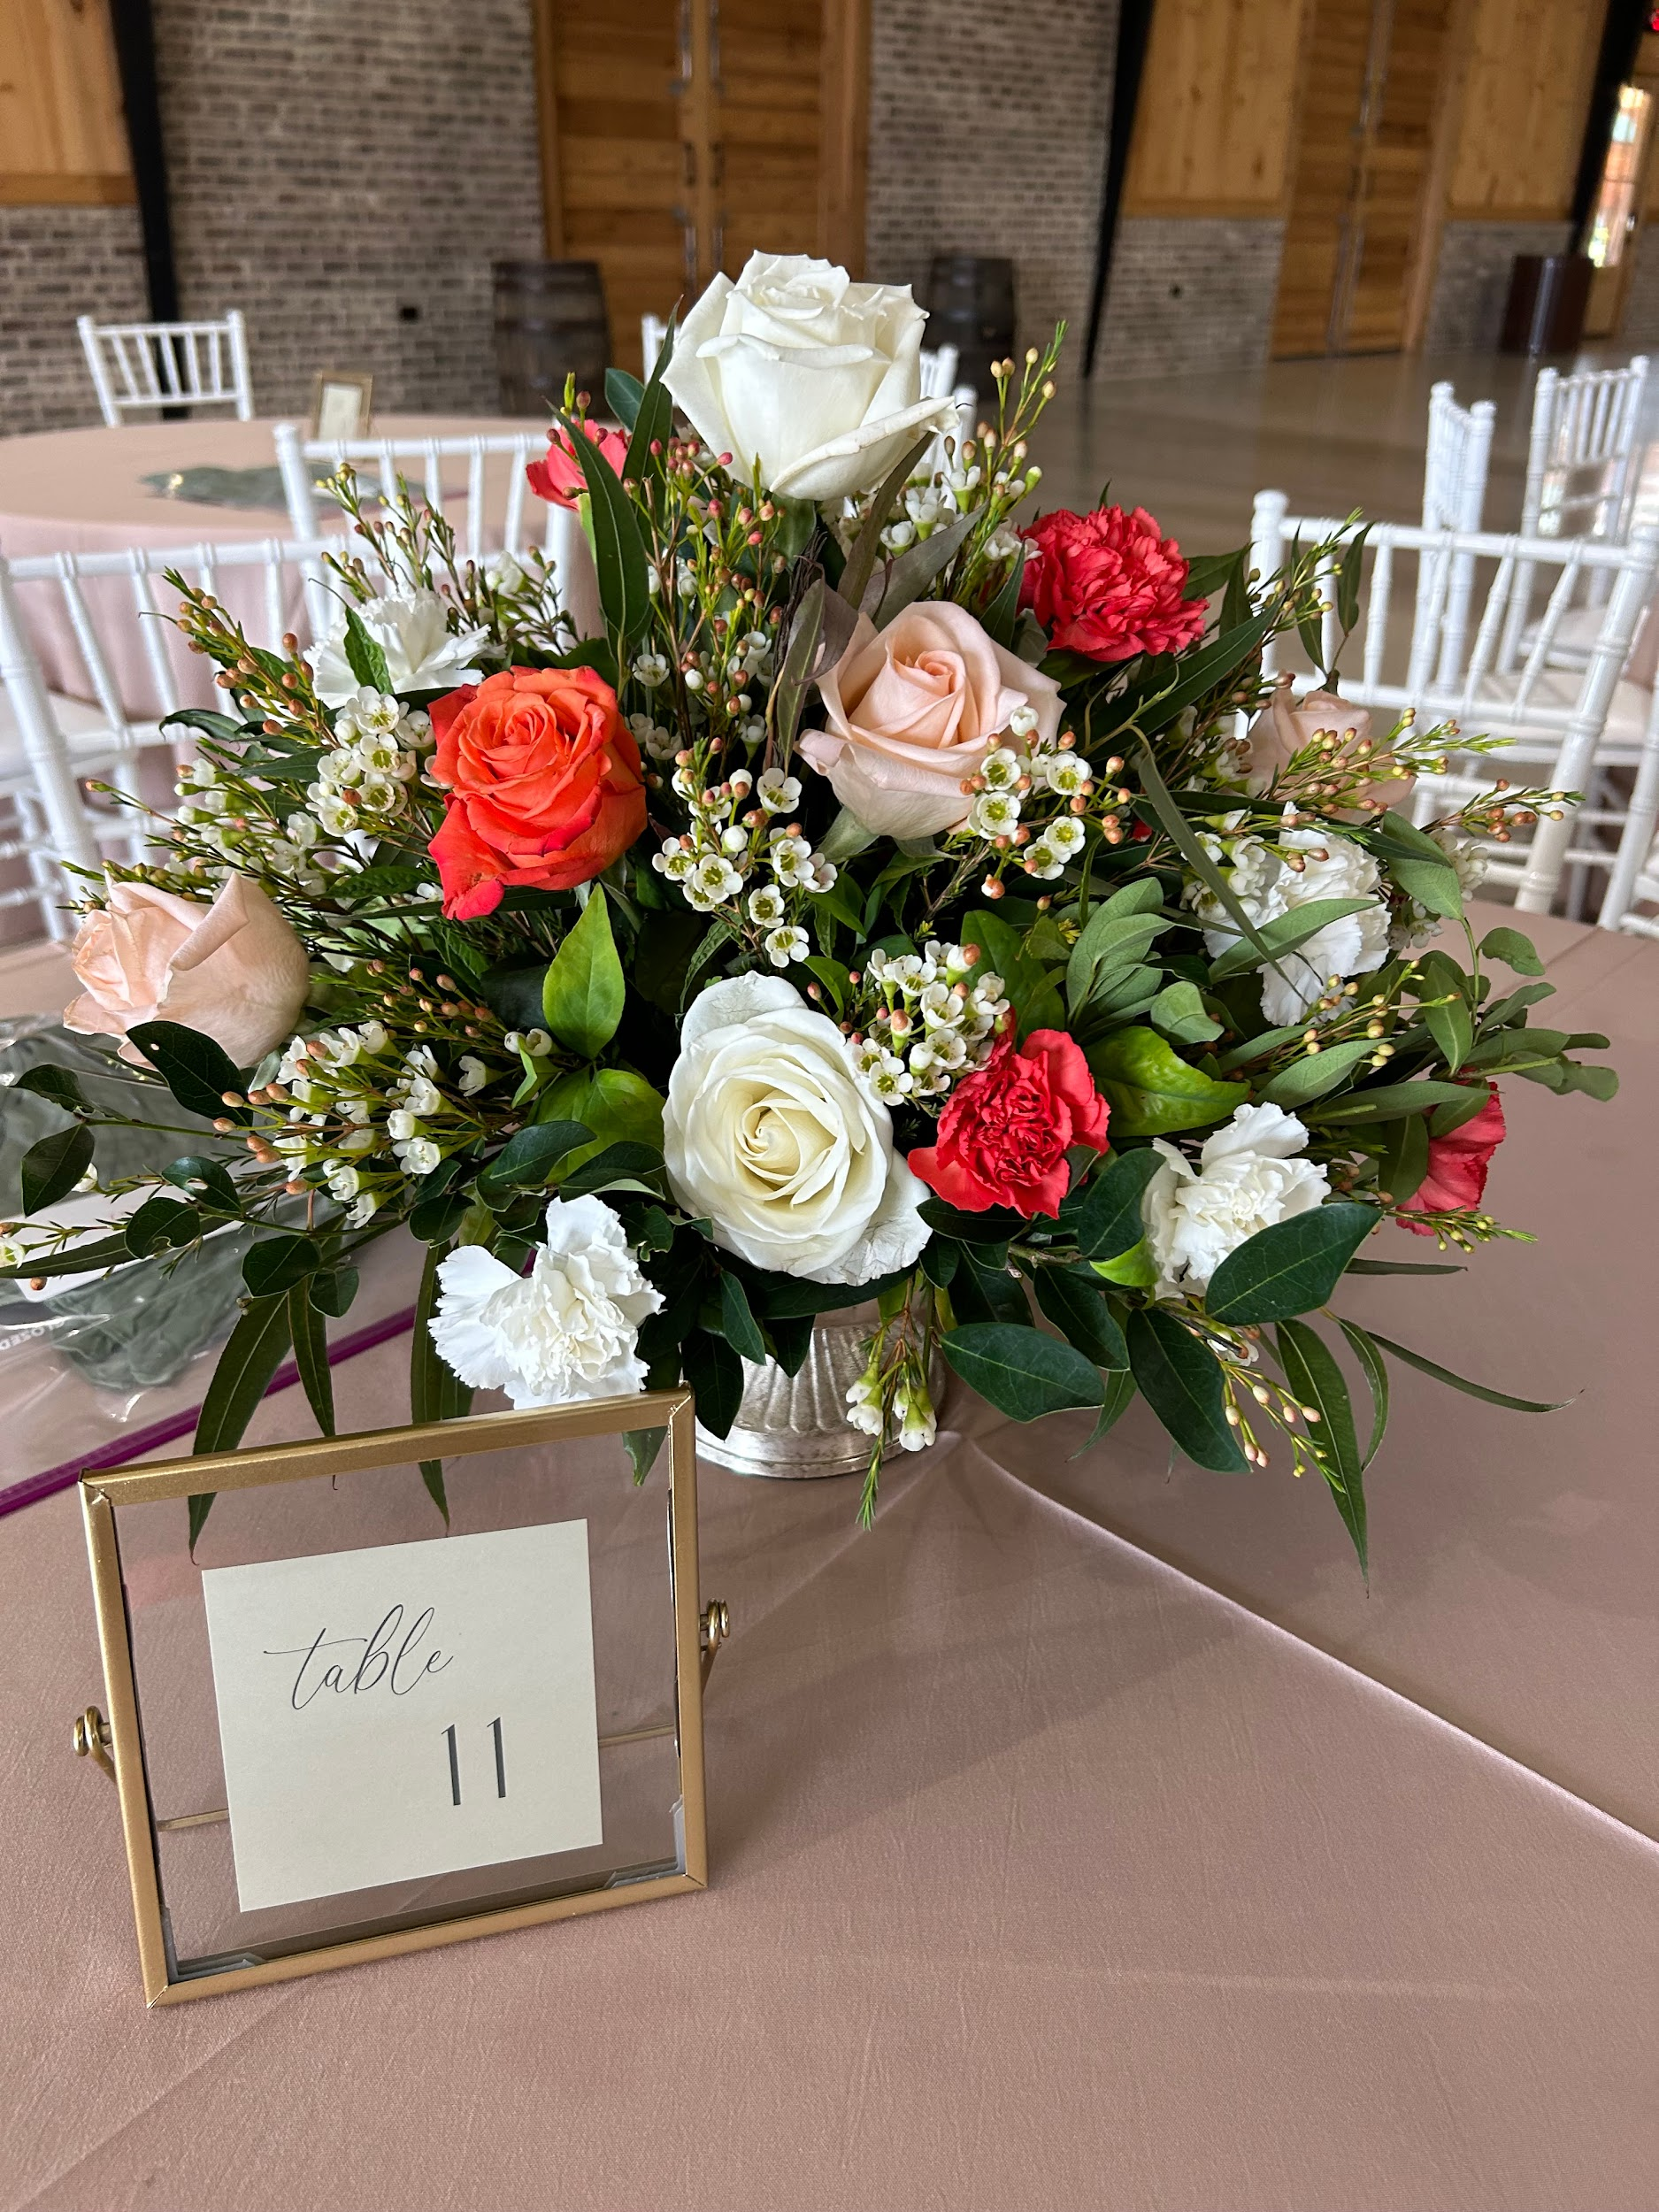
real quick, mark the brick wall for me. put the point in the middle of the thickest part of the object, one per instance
(1471, 280)
(1189, 293)
(1640, 327)
(334, 167)
(56, 263)
(987, 134)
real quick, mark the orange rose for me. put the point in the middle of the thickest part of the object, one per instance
(546, 785)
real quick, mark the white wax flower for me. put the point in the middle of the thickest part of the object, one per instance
(770, 1134)
(422, 654)
(797, 369)
(1249, 1176)
(567, 1330)
(1334, 868)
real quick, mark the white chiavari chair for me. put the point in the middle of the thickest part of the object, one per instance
(1454, 464)
(1562, 726)
(493, 509)
(115, 606)
(653, 337)
(137, 367)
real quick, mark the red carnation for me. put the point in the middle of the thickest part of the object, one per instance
(559, 479)
(1108, 585)
(1002, 1137)
(1456, 1178)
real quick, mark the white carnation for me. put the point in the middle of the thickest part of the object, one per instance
(1266, 887)
(1249, 1176)
(567, 1330)
(422, 654)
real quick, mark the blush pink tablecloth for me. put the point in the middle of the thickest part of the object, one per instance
(83, 491)
(1084, 1835)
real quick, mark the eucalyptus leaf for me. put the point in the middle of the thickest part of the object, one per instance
(1178, 1012)
(1517, 952)
(1376, 1376)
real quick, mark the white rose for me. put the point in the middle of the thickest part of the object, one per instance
(769, 1133)
(567, 1330)
(815, 379)
(1265, 887)
(422, 654)
(1248, 1178)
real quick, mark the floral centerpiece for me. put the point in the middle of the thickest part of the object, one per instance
(897, 903)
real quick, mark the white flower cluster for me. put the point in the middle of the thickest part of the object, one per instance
(915, 1423)
(655, 741)
(1302, 866)
(380, 746)
(254, 848)
(1251, 1174)
(720, 856)
(1011, 783)
(937, 1023)
(930, 502)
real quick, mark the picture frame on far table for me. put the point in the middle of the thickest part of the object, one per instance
(379, 1691)
(341, 404)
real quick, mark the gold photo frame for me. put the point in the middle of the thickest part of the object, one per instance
(517, 1463)
(341, 406)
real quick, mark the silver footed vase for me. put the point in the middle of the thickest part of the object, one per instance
(795, 1427)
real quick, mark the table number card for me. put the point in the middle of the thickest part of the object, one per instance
(407, 1710)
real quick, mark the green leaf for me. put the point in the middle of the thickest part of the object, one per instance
(1108, 1221)
(655, 422)
(1348, 580)
(623, 394)
(207, 1178)
(90, 1258)
(53, 1165)
(1315, 1380)
(1449, 1023)
(1074, 1301)
(619, 550)
(1389, 1099)
(1290, 1268)
(980, 1292)
(1020, 1371)
(1515, 951)
(583, 995)
(866, 551)
(1201, 672)
(618, 1105)
(1282, 937)
(999, 616)
(794, 671)
(526, 1162)
(919, 564)
(791, 1342)
(1032, 991)
(309, 1335)
(1316, 1073)
(1403, 1267)
(250, 1357)
(160, 1225)
(1405, 1158)
(786, 1297)
(196, 1070)
(738, 1323)
(617, 1163)
(1119, 929)
(275, 1264)
(642, 1448)
(333, 1290)
(1178, 1012)
(1181, 836)
(1134, 1269)
(57, 1084)
(436, 1393)
(1459, 1382)
(716, 1375)
(1182, 1383)
(1120, 1394)
(1152, 1090)
(1377, 1375)
(363, 656)
(997, 1225)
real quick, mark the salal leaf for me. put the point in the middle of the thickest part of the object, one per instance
(583, 994)
(526, 1161)
(1152, 1090)
(1020, 1371)
(617, 1165)
(1291, 1267)
(738, 1323)
(1459, 1382)
(1108, 1221)
(1120, 1392)
(1180, 1380)
(196, 1070)
(160, 1225)
(210, 1178)
(1074, 1301)
(54, 1164)
(1315, 1381)
(716, 1375)
(1134, 1269)
(57, 1084)
(618, 1105)
(980, 1294)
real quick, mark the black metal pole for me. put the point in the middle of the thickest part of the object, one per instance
(1134, 28)
(135, 59)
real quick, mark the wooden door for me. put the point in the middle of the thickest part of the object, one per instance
(1363, 201)
(679, 136)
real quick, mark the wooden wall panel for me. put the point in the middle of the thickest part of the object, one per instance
(63, 136)
(1525, 98)
(1215, 121)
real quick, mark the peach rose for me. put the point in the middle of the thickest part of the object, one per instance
(1285, 724)
(235, 971)
(914, 709)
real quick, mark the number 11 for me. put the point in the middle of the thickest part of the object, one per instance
(454, 1762)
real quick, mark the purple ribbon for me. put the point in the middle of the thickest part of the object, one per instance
(121, 1448)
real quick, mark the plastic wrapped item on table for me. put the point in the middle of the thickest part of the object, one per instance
(112, 1366)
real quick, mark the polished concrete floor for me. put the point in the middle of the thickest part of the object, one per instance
(1333, 435)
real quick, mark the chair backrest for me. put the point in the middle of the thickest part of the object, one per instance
(939, 371)
(138, 366)
(110, 610)
(653, 336)
(489, 509)
(1459, 677)
(1455, 464)
(1588, 421)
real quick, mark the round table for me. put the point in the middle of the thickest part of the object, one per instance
(84, 491)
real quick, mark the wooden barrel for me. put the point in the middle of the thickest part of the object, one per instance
(550, 323)
(971, 306)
